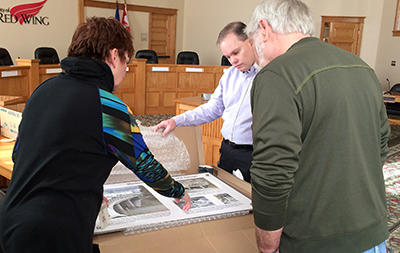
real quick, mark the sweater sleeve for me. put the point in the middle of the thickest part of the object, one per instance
(277, 143)
(124, 140)
(385, 132)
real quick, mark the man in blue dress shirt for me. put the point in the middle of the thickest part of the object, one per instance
(230, 100)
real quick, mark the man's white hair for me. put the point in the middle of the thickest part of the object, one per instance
(284, 16)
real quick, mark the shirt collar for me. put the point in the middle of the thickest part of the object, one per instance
(252, 70)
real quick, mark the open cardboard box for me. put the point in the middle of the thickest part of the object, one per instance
(235, 234)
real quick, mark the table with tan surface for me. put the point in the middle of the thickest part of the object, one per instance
(6, 163)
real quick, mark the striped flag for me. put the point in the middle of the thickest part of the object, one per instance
(125, 19)
(117, 12)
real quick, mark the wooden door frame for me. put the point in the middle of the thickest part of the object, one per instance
(171, 36)
(172, 15)
(344, 19)
(130, 7)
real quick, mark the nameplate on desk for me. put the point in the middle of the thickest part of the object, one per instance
(127, 69)
(389, 99)
(160, 69)
(53, 71)
(194, 70)
(9, 73)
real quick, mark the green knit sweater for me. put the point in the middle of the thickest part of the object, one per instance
(320, 134)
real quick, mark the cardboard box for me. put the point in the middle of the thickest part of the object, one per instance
(10, 118)
(233, 235)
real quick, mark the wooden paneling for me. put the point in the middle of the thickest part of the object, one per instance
(47, 71)
(168, 99)
(176, 81)
(33, 74)
(195, 81)
(14, 80)
(126, 90)
(152, 99)
(146, 88)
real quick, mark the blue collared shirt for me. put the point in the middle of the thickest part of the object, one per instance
(231, 100)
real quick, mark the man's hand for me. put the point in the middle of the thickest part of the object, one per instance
(188, 201)
(268, 241)
(167, 125)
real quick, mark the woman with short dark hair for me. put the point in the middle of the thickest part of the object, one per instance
(73, 131)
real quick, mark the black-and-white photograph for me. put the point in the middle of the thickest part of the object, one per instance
(198, 202)
(133, 207)
(225, 198)
(132, 200)
(196, 185)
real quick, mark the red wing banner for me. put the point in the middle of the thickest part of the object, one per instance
(24, 14)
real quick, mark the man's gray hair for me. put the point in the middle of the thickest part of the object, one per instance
(284, 16)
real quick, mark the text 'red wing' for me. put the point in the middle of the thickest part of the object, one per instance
(26, 9)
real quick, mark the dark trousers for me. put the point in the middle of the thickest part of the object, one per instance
(235, 157)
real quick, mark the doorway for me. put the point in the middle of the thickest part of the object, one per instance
(343, 32)
(162, 36)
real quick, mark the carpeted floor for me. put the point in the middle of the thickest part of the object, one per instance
(391, 171)
(395, 129)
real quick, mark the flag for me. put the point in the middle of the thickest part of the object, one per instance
(125, 19)
(117, 12)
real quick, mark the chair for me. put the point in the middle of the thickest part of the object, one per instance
(225, 61)
(188, 57)
(47, 55)
(393, 108)
(5, 58)
(148, 54)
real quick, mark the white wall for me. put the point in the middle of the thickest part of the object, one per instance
(388, 47)
(138, 22)
(199, 23)
(204, 19)
(22, 40)
(142, 18)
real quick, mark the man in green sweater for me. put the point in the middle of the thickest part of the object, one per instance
(320, 134)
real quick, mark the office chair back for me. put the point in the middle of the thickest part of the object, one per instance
(148, 54)
(225, 61)
(47, 55)
(395, 88)
(5, 58)
(188, 57)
